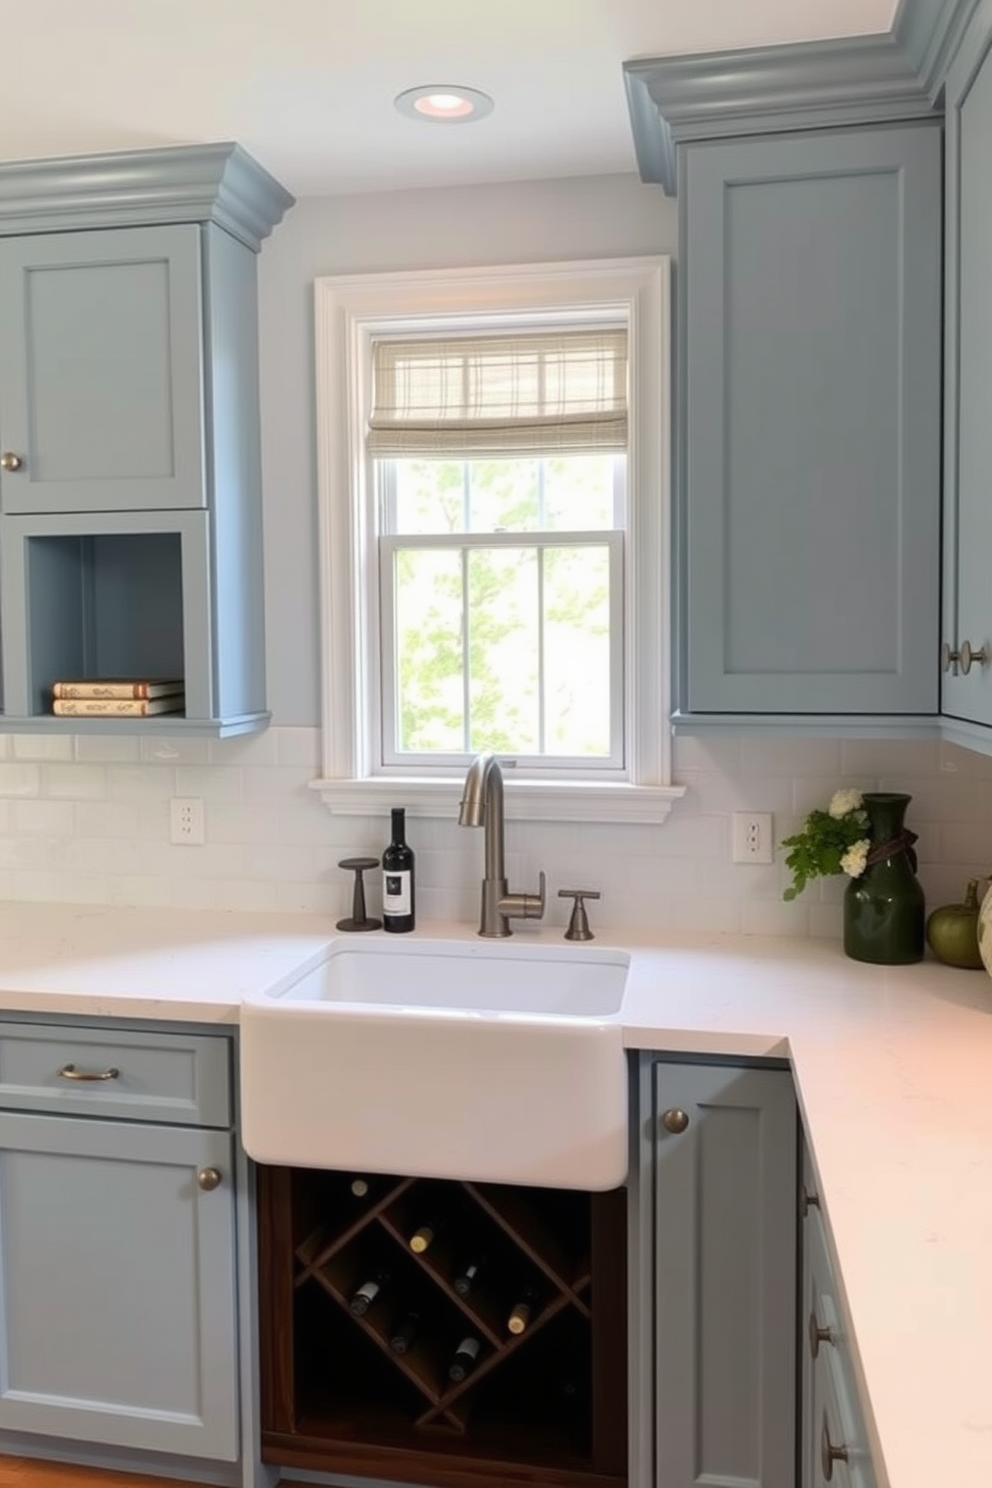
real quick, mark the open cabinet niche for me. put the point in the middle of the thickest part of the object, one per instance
(337, 1396)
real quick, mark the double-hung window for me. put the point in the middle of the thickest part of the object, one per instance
(493, 501)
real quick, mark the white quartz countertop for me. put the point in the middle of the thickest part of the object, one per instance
(893, 1068)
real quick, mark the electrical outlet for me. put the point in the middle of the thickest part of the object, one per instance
(752, 837)
(186, 821)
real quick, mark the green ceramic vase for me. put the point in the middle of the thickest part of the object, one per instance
(884, 909)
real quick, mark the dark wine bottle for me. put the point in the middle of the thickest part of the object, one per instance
(404, 1333)
(398, 908)
(522, 1310)
(366, 1294)
(468, 1275)
(464, 1359)
(360, 1187)
(424, 1237)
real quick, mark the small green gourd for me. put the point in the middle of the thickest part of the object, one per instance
(952, 931)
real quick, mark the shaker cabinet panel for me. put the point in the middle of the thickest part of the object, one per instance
(966, 691)
(118, 1321)
(809, 501)
(101, 370)
(724, 1227)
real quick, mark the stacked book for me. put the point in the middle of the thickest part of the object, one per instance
(118, 697)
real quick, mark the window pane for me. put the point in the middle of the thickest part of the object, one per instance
(504, 659)
(430, 704)
(578, 493)
(431, 496)
(568, 493)
(577, 651)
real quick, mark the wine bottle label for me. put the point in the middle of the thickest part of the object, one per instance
(397, 895)
(365, 1296)
(464, 1358)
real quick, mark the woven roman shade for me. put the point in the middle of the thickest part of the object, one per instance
(492, 396)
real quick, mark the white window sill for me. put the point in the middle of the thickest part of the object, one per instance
(524, 800)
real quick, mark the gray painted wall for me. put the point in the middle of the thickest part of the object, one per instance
(519, 222)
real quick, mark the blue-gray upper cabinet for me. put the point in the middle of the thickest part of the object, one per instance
(966, 691)
(809, 472)
(104, 359)
(716, 1178)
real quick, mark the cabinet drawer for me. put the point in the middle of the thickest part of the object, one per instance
(182, 1079)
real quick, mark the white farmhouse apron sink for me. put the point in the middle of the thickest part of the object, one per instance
(486, 1061)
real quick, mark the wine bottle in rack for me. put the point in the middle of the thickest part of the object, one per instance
(404, 1333)
(522, 1310)
(468, 1275)
(423, 1238)
(360, 1187)
(465, 1358)
(364, 1296)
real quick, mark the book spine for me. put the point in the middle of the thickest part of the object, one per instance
(110, 707)
(112, 690)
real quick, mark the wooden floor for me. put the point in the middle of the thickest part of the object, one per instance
(19, 1472)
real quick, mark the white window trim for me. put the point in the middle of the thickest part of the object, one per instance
(349, 309)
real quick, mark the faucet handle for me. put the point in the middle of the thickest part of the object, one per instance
(578, 925)
(524, 906)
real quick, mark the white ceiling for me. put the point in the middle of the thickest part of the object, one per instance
(307, 85)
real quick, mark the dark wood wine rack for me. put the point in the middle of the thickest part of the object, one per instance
(550, 1402)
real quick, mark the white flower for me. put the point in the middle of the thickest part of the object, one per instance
(854, 861)
(844, 801)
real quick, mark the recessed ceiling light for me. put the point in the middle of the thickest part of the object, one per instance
(440, 103)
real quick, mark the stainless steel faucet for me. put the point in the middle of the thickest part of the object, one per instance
(482, 806)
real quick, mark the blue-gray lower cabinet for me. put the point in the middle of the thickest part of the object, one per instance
(716, 1177)
(808, 509)
(835, 1450)
(118, 1319)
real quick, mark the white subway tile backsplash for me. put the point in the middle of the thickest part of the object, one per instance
(91, 823)
(20, 780)
(41, 746)
(107, 749)
(175, 750)
(44, 818)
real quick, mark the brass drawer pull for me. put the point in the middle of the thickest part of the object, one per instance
(10, 461)
(829, 1454)
(208, 1179)
(818, 1335)
(674, 1120)
(70, 1072)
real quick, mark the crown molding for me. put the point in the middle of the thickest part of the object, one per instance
(218, 183)
(848, 81)
(929, 32)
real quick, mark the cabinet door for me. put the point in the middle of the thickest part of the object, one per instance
(968, 359)
(809, 502)
(101, 370)
(118, 1295)
(725, 1276)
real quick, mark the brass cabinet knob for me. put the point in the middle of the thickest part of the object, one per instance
(10, 461)
(208, 1179)
(969, 657)
(964, 658)
(818, 1335)
(674, 1120)
(829, 1454)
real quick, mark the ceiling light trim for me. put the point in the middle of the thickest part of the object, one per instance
(423, 104)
